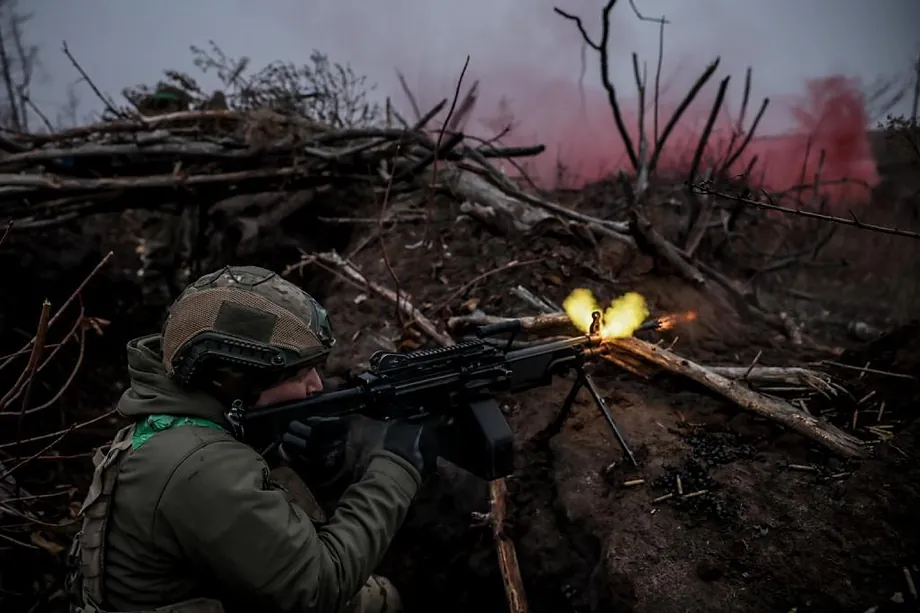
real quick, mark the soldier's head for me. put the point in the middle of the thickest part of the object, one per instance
(245, 333)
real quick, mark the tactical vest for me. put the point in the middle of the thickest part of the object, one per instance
(85, 582)
(87, 553)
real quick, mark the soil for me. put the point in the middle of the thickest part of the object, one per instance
(763, 537)
(761, 534)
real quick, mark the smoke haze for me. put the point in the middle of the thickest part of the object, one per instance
(813, 58)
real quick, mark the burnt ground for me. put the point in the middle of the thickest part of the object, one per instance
(761, 535)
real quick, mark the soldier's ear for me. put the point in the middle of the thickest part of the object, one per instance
(227, 382)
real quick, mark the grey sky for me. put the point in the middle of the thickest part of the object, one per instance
(123, 42)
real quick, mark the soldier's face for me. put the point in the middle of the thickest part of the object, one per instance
(298, 387)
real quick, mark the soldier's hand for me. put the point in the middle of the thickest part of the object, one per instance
(364, 438)
(415, 443)
(319, 443)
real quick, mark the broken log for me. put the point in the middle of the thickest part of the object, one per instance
(745, 398)
(792, 375)
(489, 205)
(516, 212)
(775, 409)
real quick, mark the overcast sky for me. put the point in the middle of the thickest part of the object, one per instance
(787, 41)
(518, 48)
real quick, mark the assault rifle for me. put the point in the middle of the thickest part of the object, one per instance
(454, 384)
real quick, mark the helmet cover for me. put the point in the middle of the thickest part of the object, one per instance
(247, 318)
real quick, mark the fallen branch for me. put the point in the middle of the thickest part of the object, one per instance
(647, 235)
(772, 206)
(532, 322)
(866, 370)
(540, 303)
(198, 155)
(335, 263)
(489, 205)
(650, 240)
(507, 556)
(745, 398)
(503, 196)
(793, 375)
(779, 411)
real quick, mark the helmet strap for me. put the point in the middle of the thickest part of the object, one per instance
(235, 418)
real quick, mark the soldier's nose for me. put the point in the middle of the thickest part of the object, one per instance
(312, 384)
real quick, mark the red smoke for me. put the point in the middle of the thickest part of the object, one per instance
(579, 132)
(523, 49)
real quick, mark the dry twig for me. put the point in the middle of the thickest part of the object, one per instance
(601, 48)
(73, 296)
(772, 206)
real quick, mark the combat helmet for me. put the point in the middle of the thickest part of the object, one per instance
(246, 320)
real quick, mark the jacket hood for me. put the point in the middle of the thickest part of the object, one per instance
(152, 392)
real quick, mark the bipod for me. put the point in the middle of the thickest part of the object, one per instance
(584, 380)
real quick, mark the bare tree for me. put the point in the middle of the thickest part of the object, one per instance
(916, 101)
(904, 130)
(18, 62)
(884, 94)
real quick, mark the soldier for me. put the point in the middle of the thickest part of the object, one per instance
(184, 517)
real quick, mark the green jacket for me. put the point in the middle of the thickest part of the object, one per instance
(194, 513)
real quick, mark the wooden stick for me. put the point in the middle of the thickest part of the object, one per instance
(507, 556)
(498, 491)
(780, 411)
(504, 207)
(649, 237)
(350, 272)
(793, 375)
(745, 398)
(532, 322)
(490, 205)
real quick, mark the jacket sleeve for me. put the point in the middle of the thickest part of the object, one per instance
(227, 518)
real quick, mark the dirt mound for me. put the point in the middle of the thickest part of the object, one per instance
(591, 532)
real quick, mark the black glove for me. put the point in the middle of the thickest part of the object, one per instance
(318, 445)
(415, 443)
